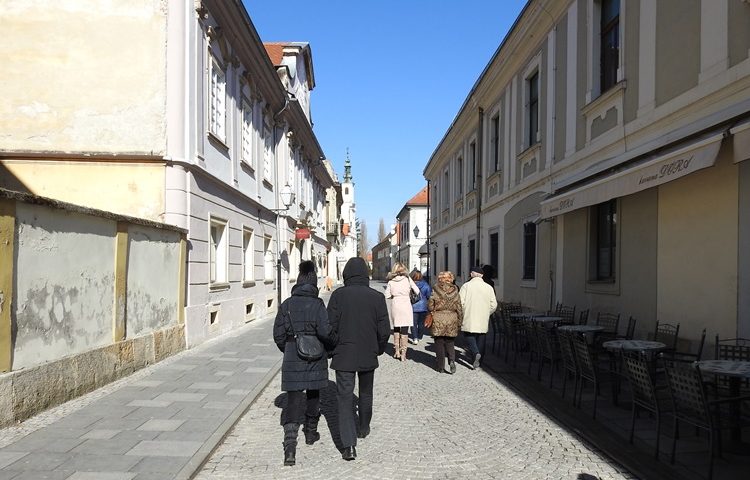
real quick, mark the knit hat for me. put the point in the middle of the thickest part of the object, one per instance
(307, 273)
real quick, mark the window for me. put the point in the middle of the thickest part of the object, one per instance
(472, 253)
(473, 165)
(609, 53)
(446, 189)
(458, 260)
(267, 153)
(247, 132)
(604, 241)
(459, 177)
(218, 100)
(495, 142)
(219, 248)
(533, 113)
(445, 259)
(267, 259)
(494, 253)
(434, 263)
(529, 251)
(248, 253)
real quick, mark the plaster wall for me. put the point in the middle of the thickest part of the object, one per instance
(678, 40)
(84, 76)
(743, 264)
(64, 284)
(697, 250)
(135, 189)
(739, 31)
(152, 286)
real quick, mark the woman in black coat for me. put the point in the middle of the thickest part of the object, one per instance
(302, 380)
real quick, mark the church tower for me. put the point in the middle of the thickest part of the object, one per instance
(348, 211)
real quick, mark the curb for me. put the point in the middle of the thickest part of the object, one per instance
(198, 460)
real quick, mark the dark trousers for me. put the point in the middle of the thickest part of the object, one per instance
(345, 396)
(300, 404)
(444, 345)
(417, 329)
(475, 342)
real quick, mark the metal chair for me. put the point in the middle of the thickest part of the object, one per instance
(691, 406)
(549, 350)
(497, 328)
(630, 331)
(567, 313)
(610, 322)
(583, 317)
(531, 335)
(588, 369)
(638, 367)
(570, 366)
(695, 357)
(732, 349)
(667, 334)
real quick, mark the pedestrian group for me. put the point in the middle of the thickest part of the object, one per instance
(353, 331)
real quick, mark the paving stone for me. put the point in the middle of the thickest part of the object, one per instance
(100, 434)
(157, 425)
(8, 457)
(159, 465)
(38, 461)
(102, 476)
(154, 448)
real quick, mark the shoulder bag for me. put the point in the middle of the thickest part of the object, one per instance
(309, 346)
(414, 297)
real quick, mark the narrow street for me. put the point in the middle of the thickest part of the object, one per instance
(426, 425)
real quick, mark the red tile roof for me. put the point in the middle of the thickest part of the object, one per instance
(419, 199)
(275, 51)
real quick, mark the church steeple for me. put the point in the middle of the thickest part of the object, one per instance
(347, 168)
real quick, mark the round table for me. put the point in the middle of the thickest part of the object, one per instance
(736, 370)
(581, 328)
(547, 319)
(634, 345)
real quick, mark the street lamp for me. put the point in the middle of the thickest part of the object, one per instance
(286, 195)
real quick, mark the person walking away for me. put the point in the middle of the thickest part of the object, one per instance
(447, 316)
(397, 290)
(488, 271)
(301, 379)
(419, 309)
(359, 316)
(479, 302)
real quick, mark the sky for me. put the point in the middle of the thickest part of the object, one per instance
(390, 75)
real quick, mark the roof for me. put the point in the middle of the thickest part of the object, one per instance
(275, 51)
(419, 199)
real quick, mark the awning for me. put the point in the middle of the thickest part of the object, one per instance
(647, 174)
(741, 142)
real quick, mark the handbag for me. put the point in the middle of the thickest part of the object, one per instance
(309, 346)
(428, 320)
(414, 297)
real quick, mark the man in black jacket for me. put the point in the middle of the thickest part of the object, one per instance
(359, 316)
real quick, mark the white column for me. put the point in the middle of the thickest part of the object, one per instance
(647, 58)
(559, 257)
(571, 103)
(513, 141)
(508, 141)
(714, 37)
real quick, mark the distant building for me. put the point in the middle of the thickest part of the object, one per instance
(382, 257)
(411, 232)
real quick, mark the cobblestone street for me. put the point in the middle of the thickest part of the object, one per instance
(426, 426)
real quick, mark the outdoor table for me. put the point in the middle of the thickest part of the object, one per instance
(547, 319)
(634, 345)
(581, 328)
(736, 370)
(520, 316)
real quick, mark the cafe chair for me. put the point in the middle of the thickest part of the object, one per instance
(667, 334)
(583, 317)
(568, 356)
(531, 335)
(646, 395)
(497, 328)
(731, 349)
(549, 351)
(567, 313)
(611, 324)
(630, 331)
(691, 406)
(690, 356)
(589, 370)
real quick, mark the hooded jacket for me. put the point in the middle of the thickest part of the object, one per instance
(308, 312)
(359, 316)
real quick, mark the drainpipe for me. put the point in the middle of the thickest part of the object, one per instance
(479, 162)
(429, 240)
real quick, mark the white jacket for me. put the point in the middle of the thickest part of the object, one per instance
(478, 301)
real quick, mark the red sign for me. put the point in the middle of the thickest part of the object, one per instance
(302, 233)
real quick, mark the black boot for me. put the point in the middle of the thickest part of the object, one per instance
(311, 429)
(291, 430)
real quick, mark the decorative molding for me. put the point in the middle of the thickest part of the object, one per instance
(201, 10)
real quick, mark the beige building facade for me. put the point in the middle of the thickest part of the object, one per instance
(599, 160)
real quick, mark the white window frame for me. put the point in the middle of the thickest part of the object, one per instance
(217, 99)
(459, 176)
(248, 255)
(248, 133)
(593, 46)
(534, 69)
(268, 259)
(268, 151)
(218, 252)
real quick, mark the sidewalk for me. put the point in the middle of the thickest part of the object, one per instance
(160, 423)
